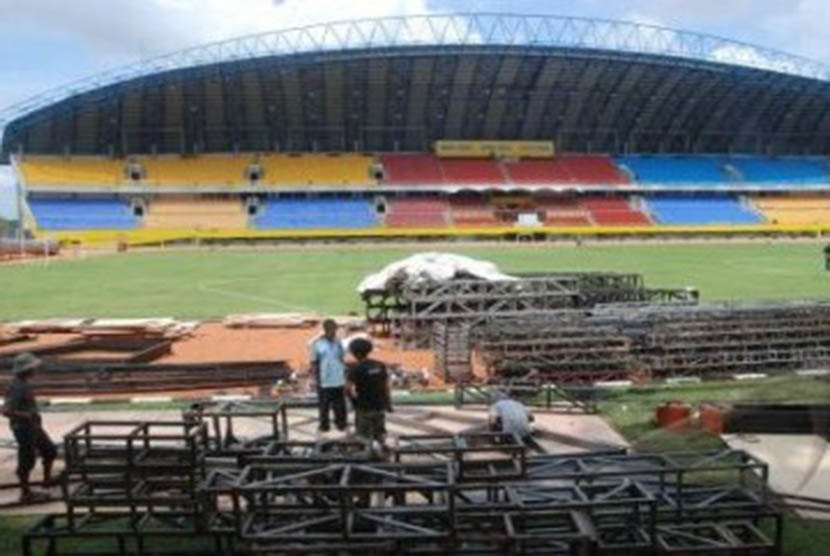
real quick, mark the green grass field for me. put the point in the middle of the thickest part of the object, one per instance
(213, 283)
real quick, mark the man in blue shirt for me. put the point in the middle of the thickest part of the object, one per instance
(330, 373)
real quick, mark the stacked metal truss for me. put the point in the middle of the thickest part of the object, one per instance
(433, 494)
(410, 311)
(613, 342)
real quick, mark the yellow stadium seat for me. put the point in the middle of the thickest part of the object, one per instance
(317, 170)
(204, 170)
(77, 171)
(794, 210)
(196, 213)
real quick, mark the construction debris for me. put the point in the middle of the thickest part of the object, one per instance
(167, 327)
(289, 320)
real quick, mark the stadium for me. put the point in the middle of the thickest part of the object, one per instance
(656, 201)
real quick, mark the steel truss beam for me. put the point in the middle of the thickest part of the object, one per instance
(461, 494)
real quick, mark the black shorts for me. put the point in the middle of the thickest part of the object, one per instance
(32, 442)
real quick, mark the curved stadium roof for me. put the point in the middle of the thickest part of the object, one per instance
(401, 83)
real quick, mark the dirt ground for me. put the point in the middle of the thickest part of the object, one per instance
(213, 341)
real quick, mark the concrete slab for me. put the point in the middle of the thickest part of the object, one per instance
(799, 464)
(557, 433)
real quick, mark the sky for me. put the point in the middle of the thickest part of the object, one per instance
(47, 43)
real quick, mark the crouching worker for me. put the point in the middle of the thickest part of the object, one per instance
(510, 417)
(368, 388)
(21, 410)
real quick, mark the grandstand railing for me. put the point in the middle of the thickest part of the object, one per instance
(736, 187)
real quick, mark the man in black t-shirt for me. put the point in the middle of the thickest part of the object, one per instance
(20, 408)
(368, 387)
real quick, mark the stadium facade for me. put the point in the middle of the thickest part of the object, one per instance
(331, 130)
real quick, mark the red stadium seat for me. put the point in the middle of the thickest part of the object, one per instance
(417, 212)
(471, 171)
(411, 169)
(566, 169)
(614, 211)
(473, 211)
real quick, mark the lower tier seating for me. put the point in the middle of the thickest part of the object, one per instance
(614, 211)
(701, 210)
(415, 212)
(287, 212)
(195, 213)
(473, 211)
(563, 211)
(794, 209)
(82, 214)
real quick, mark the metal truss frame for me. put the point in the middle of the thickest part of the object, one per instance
(618, 340)
(452, 494)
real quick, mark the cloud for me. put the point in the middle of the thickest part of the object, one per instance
(108, 33)
(122, 29)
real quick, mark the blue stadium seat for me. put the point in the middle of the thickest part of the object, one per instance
(701, 210)
(82, 214)
(676, 170)
(288, 213)
(786, 171)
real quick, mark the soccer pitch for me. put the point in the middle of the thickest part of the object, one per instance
(213, 283)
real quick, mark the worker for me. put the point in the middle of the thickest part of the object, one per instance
(329, 371)
(368, 388)
(20, 407)
(509, 416)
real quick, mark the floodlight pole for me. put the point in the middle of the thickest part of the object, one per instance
(19, 194)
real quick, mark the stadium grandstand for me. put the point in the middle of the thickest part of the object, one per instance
(445, 125)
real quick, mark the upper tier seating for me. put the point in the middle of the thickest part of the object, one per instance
(676, 170)
(316, 213)
(701, 210)
(787, 171)
(592, 169)
(566, 169)
(195, 213)
(471, 171)
(614, 211)
(414, 212)
(204, 170)
(411, 169)
(82, 214)
(795, 209)
(473, 211)
(77, 171)
(317, 170)
(532, 172)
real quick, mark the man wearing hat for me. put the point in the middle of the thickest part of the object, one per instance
(20, 408)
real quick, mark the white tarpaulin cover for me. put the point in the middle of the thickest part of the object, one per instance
(434, 267)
